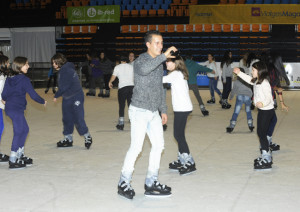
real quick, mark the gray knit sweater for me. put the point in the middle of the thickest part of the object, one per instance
(240, 88)
(148, 92)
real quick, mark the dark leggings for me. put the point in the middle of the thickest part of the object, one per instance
(264, 120)
(124, 94)
(54, 77)
(195, 89)
(106, 81)
(180, 119)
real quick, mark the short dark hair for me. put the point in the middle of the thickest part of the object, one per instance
(17, 65)
(59, 59)
(148, 35)
(124, 58)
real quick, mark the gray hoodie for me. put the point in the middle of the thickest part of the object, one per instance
(148, 92)
(240, 88)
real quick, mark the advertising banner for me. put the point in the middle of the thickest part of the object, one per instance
(94, 14)
(245, 14)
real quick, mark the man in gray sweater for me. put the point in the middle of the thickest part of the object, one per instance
(147, 100)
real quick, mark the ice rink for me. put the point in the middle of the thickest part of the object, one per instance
(75, 179)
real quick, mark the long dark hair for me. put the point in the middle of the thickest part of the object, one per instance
(226, 59)
(17, 65)
(275, 62)
(4, 70)
(262, 72)
(250, 58)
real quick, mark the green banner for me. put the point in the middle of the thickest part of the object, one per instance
(94, 14)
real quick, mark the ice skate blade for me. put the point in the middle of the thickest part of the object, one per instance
(156, 195)
(185, 174)
(262, 170)
(124, 197)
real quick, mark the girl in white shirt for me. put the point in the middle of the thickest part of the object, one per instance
(4, 65)
(182, 107)
(263, 100)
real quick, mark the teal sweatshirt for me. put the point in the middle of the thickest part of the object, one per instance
(194, 68)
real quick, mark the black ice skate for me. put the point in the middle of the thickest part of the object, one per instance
(250, 125)
(187, 168)
(88, 142)
(157, 190)
(120, 126)
(65, 143)
(4, 158)
(90, 94)
(175, 165)
(229, 129)
(125, 190)
(28, 161)
(18, 164)
(225, 104)
(165, 127)
(211, 101)
(204, 112)
(274, 147)
(265, 162)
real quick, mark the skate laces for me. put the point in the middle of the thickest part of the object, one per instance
(126, 186)
(88, 139)
(157, 184)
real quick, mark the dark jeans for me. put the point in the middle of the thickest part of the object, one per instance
(264, 118)
(240, 100)
(226, 88)
(180, 119)
(124, 94)
(195, 89)
(73, 114)
(213, 87)
(20, 128)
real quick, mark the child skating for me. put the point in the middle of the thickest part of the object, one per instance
(182, 107)
(14, 98)
(72, 104)
(243, 93)
(263, 100)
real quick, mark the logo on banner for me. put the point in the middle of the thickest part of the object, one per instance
(91, 12)
(77, 13)
(255, 11)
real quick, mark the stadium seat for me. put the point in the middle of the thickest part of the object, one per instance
(226, 28)
(246, 28)
(125, 29)
(179, 28)
(189, 28)
(171, 28)
(161, 28)
(255, 28)
(236, 28)
(207, 28)
(198, 27)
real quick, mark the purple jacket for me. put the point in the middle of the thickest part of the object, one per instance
(14, 92)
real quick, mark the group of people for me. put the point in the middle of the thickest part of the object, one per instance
(141, 85)
(13, 88)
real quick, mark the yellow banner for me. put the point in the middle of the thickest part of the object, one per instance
(245, 14)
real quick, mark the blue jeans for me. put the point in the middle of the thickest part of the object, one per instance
(213, 87)
(144, 121)
(240, 100)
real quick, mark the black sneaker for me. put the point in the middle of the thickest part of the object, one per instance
(262, 164)
(175, 165)
(187, 168)
(65, 143)
(211, 101)
(4, 158)
(204, 112)
(157, 189)
(120, 126)
(28, 161)
(17, 165)
(126, 190)
(88, 142)
(274, 147)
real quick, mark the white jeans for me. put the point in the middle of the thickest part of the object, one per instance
(144, 121)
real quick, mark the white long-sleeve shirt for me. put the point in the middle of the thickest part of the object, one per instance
(262, 92)
(181, 100)
(212, 66)
(2, 82)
